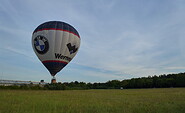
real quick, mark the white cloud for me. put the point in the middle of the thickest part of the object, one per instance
(175, 68)
(18, 51)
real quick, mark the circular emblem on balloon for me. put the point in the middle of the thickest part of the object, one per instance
(41, 44)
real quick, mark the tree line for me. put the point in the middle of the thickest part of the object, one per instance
(161, 81)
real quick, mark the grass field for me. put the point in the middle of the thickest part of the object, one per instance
(167, 100)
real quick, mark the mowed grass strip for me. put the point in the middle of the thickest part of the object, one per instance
(163, 100)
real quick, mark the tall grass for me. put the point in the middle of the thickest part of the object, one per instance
(167, 100)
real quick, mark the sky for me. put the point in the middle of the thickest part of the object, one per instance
(120, 39)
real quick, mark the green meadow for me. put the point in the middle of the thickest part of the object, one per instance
(158, 100)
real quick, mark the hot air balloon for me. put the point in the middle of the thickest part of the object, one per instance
(55, 43)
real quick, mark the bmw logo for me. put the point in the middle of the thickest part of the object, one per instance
(41, 44)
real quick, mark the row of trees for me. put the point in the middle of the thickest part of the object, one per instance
(162, 81)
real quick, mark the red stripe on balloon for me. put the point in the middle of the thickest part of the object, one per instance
(58, 30)
(47, 61)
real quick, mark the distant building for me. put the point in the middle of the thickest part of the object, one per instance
(19, 83)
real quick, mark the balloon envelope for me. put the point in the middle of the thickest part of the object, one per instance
(55, 44)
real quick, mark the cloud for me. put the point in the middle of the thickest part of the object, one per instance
(175, 68)
(90, 74)
(14, 32)
(17, 51)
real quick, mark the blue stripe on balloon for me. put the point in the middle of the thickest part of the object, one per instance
(57, 25)
(54, 66)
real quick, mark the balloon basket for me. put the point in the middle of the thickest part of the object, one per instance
(53, 80)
